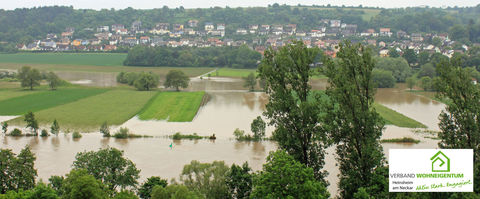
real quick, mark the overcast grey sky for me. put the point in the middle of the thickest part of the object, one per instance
(148, 4)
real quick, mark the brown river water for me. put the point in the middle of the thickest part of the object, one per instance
(229, 107)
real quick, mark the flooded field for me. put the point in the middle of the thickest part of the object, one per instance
(229, 107)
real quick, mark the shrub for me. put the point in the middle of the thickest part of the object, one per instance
(179, 136)
(44, 133)
(16, 132)
(76, 135)
(123, 133)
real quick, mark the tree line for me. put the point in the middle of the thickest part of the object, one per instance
(26, 25)
(235, 57)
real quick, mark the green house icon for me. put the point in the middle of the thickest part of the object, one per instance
(440, 162)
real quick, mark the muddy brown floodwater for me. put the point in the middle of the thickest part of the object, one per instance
(229, 107)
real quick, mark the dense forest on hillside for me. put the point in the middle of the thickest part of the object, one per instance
(236, 57)
(25, 25)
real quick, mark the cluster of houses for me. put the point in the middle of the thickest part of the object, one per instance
(193, 34)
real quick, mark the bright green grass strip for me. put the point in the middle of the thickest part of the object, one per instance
(232, 72)
(115, 107)
(174, 106)
(44, 100)
(396, 118)
(93, 59)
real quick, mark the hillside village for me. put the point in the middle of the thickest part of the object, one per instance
(257, 36)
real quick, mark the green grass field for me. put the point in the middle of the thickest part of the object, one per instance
(11, 93)
(395, 118)
(115, 107)
(174, 106)
(40, 100)
(92, 59)
(232, 72)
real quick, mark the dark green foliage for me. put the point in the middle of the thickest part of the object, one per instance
(353, 122)
(293, 108)
(17, 172)
(410, 56)
(109, 166)
(176, 79)
(53, 80)
(235, 57)
(383, 78)
(258, 128)
(76, 135)
(29, 77)
(56, 183)
(146, 188)
(4, 127)
(127, 78)
(105, 130)
(16, 132)
(206, 178)
(175, 191)
(194, 136)
(146, 81)
(426, 83)
(460, 122)
(42, 191)
(284, 177)
(411, 81)
(392, 52)
(55, 128)
(427, 70)
(239, 181)
(125, 194)
(44, 133)
(31, 122)
(423, 57)
(79, 184)
(398, 66)
(250, 82)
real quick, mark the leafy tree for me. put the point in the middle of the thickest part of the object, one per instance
(410, 56)
(56, 183)
(121, 78)
(423, 57)
(411, 81)
(458, 32)
(105, 130)
(55, 128)
(176, 79)
(460, 122)
(206, 178)
(174, 191)
(146, 81)
(427, 70)
(239, 181)
(426, 83)
(284, 177)
(258, 128)
(146, 188)
(250, 82)
(353, 122)
(31, 121)
(79, 184)
(53, 80)
(293, 107)
(398, 66)
(124, 194)
(17, 172)
(383, 78)
(4, 127)
(109, 166)
(42, 191)
(29, 77)
(392, 52)
(437, 42)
